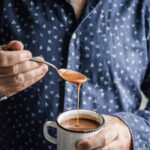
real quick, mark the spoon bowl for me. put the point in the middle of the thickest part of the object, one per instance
(72, 76)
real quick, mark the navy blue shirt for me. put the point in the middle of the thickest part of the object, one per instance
(110, 44)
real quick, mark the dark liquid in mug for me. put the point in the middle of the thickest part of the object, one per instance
(84, 124)
(78, 79)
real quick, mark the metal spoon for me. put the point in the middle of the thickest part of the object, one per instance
(66, 74)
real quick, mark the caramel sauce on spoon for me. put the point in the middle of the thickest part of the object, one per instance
(72, 76)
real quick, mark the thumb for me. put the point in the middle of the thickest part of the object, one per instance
(14, 45)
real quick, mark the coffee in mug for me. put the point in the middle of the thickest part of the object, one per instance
(83, 124)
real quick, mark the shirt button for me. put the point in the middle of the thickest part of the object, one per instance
(74, 36)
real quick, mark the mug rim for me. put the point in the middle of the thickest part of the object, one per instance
(86, 131)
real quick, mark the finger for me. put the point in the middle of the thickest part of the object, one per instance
(19, 68)
(115, 145)
(14, 45)
(16, 89)
(23, 78)
(102, 139)
(31, 82)
(10, 58)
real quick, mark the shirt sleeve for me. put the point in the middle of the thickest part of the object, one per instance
(139, 121)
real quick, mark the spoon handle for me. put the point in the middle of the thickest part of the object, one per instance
(44, 62)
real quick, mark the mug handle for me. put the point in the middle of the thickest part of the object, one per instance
(45, 131)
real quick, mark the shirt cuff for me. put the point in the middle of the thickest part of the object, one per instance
(133, 122)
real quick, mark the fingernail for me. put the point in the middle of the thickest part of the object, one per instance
(81, 145)
(15, 45)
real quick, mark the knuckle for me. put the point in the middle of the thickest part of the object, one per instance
(27, 53)
(19, 79)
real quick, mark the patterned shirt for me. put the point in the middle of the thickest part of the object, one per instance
(110, 44)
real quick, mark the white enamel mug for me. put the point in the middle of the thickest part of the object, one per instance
(67, 139)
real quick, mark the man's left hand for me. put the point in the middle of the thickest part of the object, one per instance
(115, 135)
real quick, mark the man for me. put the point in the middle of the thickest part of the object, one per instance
(107, 40)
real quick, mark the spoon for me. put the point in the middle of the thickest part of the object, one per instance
(66, 74)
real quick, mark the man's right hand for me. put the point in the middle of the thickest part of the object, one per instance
(17, 72)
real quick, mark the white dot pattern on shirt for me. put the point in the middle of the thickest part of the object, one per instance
(101, 47)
